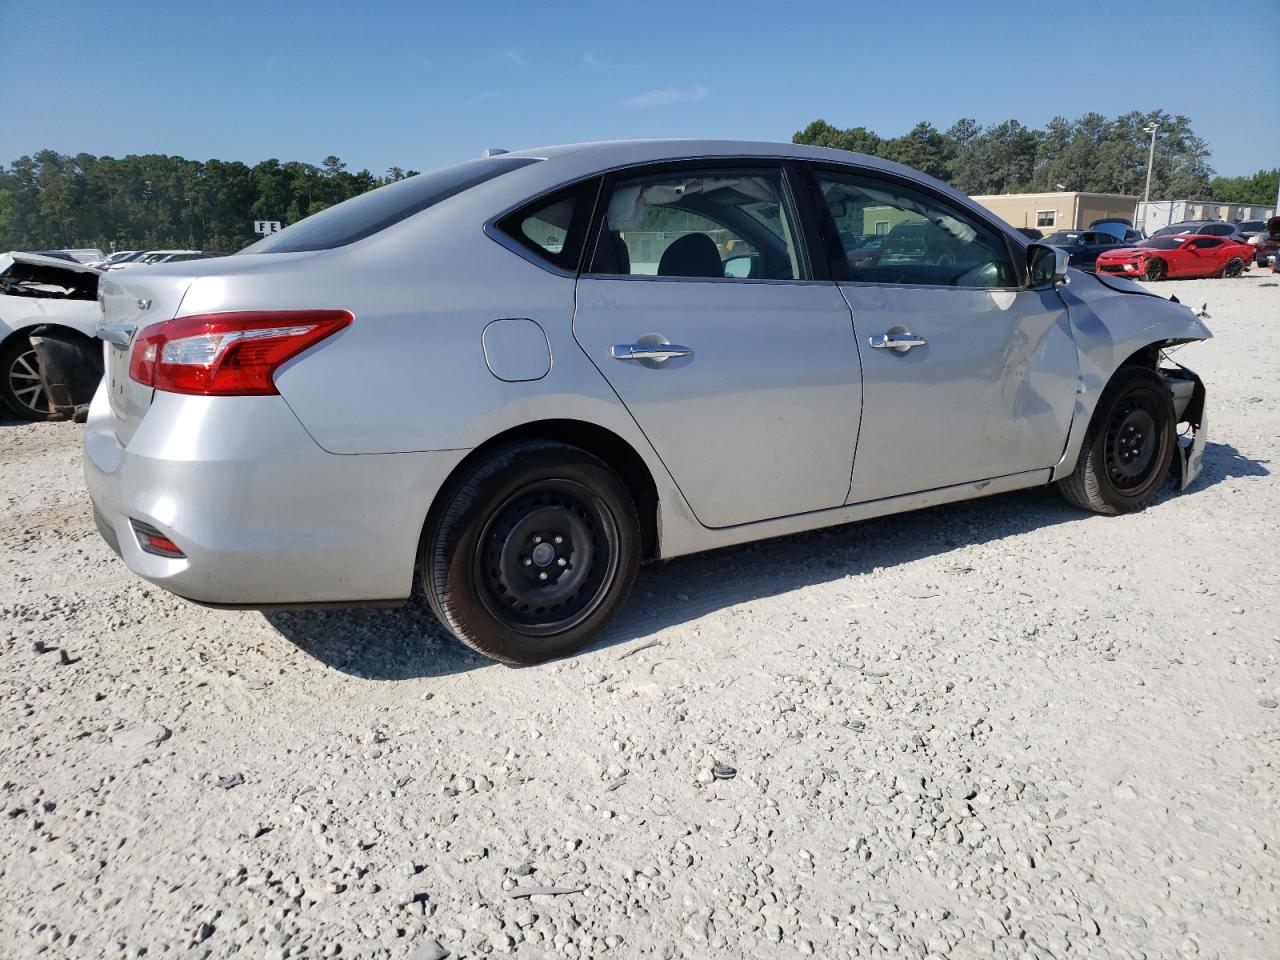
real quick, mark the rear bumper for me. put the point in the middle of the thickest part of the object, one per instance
(263, 514)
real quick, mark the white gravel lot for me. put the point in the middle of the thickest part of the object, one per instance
(997, 729)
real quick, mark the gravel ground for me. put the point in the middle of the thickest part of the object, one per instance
(997, 729)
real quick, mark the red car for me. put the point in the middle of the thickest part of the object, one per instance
(1182, 256)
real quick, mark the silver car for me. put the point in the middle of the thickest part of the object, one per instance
(519, 377)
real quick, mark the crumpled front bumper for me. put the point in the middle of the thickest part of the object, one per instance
(1189, 407)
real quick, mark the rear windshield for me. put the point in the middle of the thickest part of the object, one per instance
(365, 215)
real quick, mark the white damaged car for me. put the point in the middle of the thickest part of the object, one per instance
(56, 301)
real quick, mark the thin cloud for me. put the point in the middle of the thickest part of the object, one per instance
(484, 96)
(513, 56)
(663, 96)
(592, 62)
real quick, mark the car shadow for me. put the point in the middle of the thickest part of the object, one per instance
(407, 642)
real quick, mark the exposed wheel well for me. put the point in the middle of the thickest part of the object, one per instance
(1148, 356)
(599, 442)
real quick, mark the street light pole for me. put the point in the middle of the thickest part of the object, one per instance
(1150, 128)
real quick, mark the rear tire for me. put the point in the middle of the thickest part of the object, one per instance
(532, 552)
(1234, 267)
(1128, 448)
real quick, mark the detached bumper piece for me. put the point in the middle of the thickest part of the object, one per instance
(1189, 407)
(69, 369)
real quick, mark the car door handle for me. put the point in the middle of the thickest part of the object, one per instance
(901, 342)
(649, 351)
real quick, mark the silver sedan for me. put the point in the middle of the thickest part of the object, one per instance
(519, 377)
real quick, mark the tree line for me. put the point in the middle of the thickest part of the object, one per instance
(53, 200)
(1092, 153)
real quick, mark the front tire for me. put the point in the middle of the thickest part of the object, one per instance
(1129, 446)
(1156, 269)
(532, 552)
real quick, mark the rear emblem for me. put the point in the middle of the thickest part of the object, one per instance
(144, 304)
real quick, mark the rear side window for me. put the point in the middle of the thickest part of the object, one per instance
(371, 212)
(553, 228)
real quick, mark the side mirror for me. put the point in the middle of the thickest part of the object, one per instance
(739, 268)
(1046, 264)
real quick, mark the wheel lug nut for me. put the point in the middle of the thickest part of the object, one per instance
(537, 538)
(527, 561)
(562, 561)
(542, 575)
(559, 539)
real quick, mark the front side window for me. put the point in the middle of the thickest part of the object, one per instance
(928, 242)
(712, 224)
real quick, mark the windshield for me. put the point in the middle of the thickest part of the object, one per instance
(1063, 236)
(367, 214)
(1164, 243)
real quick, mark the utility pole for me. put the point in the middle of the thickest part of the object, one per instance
(1150, 128)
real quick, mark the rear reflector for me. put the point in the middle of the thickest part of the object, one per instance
(228, 354)
(153, 541)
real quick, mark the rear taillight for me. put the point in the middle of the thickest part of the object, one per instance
(227, 354)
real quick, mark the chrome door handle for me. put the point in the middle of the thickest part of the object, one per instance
(649, 351)
(901, 342)
(119, 334)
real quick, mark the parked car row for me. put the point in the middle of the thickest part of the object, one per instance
(130, 258)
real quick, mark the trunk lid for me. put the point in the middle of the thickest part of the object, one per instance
(131, 301)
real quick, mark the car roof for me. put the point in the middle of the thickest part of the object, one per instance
(568, 162)
(605, 154)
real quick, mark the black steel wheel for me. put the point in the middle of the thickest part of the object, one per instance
(547, 557)
(1156, 269)
(1132, 441)
(1234, 268)
(530, 554)
(1129, 447)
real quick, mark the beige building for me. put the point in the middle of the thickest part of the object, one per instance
(1068, 210)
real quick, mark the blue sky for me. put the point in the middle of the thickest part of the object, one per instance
(423, 84)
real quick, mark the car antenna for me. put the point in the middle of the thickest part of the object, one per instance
(493, 152)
